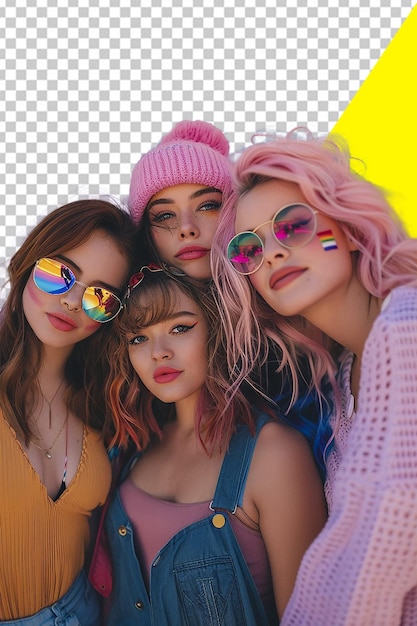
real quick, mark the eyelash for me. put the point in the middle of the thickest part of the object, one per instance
(163, 216)
(211, 204)
(134, 342)
(185, 328)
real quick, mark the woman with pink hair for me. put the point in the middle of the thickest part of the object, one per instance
(311, 256)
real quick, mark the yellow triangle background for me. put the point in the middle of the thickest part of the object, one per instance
(380, 123)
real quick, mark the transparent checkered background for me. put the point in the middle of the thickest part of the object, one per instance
(88, 85)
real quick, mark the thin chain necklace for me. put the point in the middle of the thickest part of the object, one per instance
(47, 451)
(49, 402)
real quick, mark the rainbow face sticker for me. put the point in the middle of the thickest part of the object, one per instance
(327, 240)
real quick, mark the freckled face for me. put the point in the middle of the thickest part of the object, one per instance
(183, 220)
(170, 357)
(296, 281)
(58, 320)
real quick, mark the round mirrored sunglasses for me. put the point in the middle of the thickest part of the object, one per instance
(293, 226)
(55, 278)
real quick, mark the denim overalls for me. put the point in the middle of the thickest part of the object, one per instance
(200, 576)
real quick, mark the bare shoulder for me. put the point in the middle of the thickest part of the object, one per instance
(282, 459)
(281, 442)
(283, 477)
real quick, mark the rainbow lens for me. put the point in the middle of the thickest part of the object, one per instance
(295, 225)
(53, 277)
(245, 252)
(101, 305)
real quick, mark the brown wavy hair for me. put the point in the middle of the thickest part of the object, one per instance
(87, 368)
(137, 414)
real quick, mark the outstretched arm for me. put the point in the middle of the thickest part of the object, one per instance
(285, 487)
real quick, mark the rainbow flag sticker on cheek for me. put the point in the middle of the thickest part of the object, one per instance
(327, 240)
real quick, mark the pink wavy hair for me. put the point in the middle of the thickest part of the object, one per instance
(386, 255)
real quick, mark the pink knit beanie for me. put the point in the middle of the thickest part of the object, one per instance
(193, 152)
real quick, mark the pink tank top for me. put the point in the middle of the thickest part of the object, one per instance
(155, 521)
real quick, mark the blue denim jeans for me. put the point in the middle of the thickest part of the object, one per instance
(78, 607)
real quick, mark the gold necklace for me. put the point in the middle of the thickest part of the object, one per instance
(49, 402)
(47, 451)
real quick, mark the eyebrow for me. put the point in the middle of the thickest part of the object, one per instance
(175, 314)
(98, 283)
(201, 192)
(169, 317)
(196, 194)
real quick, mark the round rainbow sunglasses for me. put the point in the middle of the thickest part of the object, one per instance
(55, 278)
(293, 226)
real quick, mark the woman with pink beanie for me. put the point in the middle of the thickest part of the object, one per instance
(176, 192)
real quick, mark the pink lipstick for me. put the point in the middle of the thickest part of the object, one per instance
(165, 374)
(285, 276)
(189, 253)
(61, 322)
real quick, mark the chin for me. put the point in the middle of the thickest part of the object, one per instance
(200, 275)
